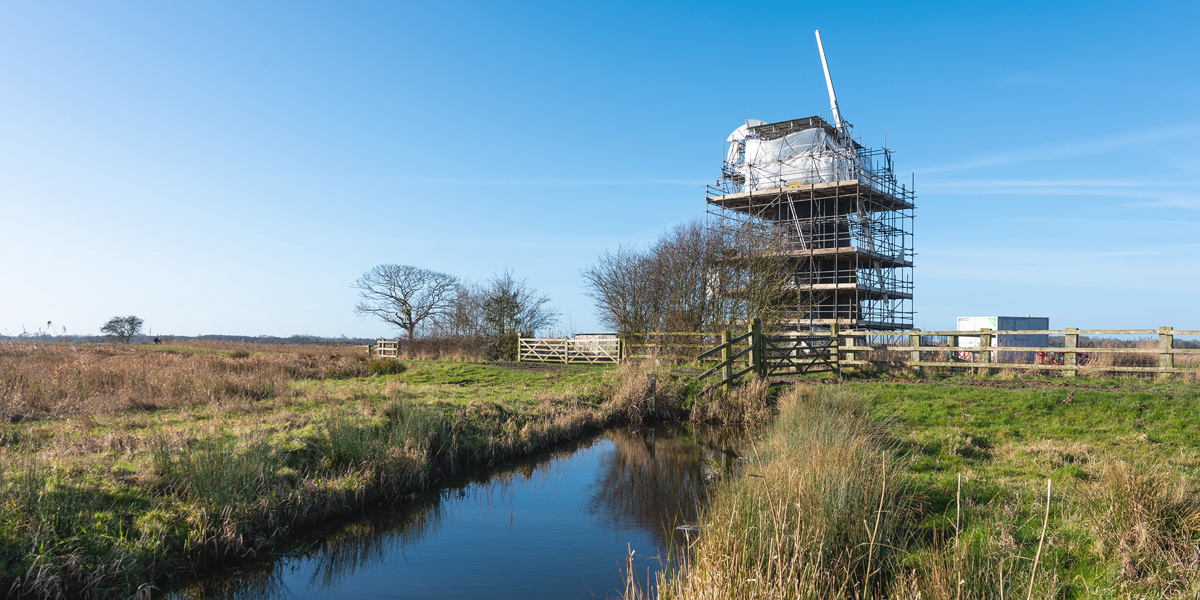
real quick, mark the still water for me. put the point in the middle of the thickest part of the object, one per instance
(560, 525)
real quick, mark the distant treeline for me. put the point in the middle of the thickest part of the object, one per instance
(149, 339)
(1089, 341)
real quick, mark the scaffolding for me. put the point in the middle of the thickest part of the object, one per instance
(836, 214)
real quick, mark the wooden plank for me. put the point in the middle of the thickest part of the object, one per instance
(725, 363)
(650, 333)
(1051, 367)
(1058, 349)
(1145, 332)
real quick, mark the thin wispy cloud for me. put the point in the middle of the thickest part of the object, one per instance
(1046, 78)
(444, 181)
(1148, 193)
(1069, 149)
(1160, 267)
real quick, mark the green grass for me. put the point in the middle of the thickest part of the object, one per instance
(1011, 429)
(1123, 520)
(1095, 440)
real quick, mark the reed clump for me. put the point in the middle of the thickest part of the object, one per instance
(640, 393)
(748, 402)
(816, 514)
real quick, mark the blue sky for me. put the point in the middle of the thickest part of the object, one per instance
(233, 167)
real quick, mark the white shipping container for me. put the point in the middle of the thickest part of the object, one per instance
(1006, 324)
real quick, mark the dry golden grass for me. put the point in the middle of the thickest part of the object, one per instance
(42, 380)
(816, 515)
(1147, 521)
(343, 350)
(745, 403)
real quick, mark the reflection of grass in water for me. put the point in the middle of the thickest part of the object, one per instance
(366, 543)
(658, 477)
(370, 541)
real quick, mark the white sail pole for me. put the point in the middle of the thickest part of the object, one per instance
(837, 114)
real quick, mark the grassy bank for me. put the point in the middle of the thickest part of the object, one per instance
(855, 492)
(125, 469)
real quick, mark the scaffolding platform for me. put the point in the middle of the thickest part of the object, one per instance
(852, 191)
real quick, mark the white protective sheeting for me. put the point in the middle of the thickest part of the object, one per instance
(735, 139)
(808, 156)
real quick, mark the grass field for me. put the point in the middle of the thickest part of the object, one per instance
(856, 493)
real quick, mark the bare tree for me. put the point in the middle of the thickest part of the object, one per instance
(683, 263)
(404, 296)
(694, 278)
(667, 287)
(620, 285)
(751, 276)
(464, 317)
(510, 309)
(122, 328)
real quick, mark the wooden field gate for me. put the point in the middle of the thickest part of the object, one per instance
(783, 353)
(583, 351)
(385, 349)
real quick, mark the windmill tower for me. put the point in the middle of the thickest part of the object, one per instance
(833, 208)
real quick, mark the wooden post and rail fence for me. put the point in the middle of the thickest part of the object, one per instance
(834, 350)
(782, 353)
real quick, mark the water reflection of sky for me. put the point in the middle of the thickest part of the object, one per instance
(559, 526)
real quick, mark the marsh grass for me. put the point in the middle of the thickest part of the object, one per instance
(1146, 521)
(749, 402)
(816, 515)
(962, 508)
(47, 380)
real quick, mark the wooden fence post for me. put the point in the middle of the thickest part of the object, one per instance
(914, 357)
(985, 355)
(1166, 358)
(566, 351)
(1070, 359)
(756, 347)
(834, 346)
(726, 357)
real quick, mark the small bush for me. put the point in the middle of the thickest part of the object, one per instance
(387, 366)
(501, 347)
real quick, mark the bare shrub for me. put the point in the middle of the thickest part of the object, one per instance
(694, 278)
